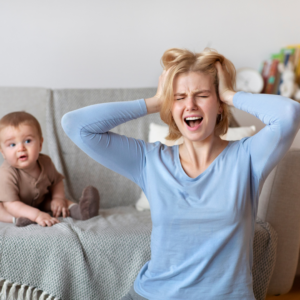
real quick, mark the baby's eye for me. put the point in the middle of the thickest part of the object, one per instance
(12, 145)
(27, 141)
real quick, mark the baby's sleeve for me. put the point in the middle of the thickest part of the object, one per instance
(9, 187)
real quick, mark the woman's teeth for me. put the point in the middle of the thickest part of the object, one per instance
(193, 121)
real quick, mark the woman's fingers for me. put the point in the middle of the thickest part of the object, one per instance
(221, 75)
(161, 82)
(226, 91)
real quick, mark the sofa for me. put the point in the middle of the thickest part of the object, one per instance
(100, 258)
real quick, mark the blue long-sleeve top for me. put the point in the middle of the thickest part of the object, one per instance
(203, 227)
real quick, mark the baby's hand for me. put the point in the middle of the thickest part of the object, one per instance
(45, 219)
(59, 206)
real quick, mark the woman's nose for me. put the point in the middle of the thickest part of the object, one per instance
(190, 103)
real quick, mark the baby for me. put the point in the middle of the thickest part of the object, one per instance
(30, 186)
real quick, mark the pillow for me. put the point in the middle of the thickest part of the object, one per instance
(237, 133)
(157, 133)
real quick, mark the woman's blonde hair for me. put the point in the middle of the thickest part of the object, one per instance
(179, 61)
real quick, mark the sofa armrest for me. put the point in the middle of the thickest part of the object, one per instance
(279, 205)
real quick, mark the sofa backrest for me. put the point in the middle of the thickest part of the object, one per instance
(79, 169)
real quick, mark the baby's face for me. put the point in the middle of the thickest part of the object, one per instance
(20, 146)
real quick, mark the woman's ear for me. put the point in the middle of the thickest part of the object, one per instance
(220, 110)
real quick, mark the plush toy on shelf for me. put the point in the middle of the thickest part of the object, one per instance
(288, 88)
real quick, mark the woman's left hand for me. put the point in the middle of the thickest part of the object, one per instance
(226, 91)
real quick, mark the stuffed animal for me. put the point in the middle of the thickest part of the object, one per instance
(288, 88)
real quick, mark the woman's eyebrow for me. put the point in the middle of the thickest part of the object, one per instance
(201, 91)
(193, 92)
(179, 94)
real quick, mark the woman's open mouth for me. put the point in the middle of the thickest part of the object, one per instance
(193, 123)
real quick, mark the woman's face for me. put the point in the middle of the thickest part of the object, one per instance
(195, 106)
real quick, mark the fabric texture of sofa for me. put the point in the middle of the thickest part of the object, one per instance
(100, 258)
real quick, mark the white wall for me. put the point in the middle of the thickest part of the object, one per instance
(119, 43)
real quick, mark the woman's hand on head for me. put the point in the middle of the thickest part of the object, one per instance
(154, 104)
(161, 83)
(226, 91)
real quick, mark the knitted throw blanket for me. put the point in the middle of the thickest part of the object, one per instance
(94, 259)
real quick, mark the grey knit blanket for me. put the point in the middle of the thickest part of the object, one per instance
(94, 259)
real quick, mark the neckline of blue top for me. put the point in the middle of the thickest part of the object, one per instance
(187, 177)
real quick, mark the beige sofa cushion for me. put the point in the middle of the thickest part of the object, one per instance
(279, 205)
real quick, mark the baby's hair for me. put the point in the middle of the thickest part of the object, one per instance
(180, 61)
(15, 119)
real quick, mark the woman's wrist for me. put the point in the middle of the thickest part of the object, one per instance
(153, 105)
(227, 97)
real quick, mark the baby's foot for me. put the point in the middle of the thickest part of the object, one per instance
(88, 204)
(22, 222)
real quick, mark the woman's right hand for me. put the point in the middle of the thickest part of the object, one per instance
(226, 91)
(154, 104)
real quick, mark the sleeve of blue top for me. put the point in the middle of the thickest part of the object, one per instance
(282, 118)
(88, 128)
